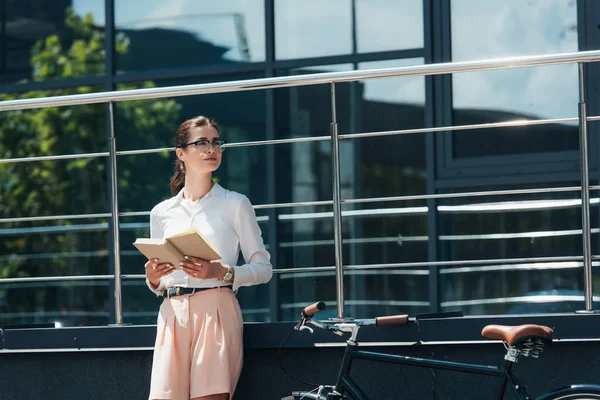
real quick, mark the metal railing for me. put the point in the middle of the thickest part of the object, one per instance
(332, 78)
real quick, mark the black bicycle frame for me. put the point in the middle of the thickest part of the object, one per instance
(346, 385)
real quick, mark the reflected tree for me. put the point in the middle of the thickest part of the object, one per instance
(70, 186)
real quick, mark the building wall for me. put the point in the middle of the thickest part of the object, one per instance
(118, 46)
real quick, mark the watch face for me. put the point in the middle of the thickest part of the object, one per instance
(228, 275)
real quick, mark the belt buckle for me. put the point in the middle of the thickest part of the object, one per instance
(178, 291)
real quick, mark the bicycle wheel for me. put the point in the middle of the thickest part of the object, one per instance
(575, 392)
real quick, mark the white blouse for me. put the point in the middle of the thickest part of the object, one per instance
(228, 221)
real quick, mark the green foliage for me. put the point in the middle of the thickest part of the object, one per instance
(73, 185)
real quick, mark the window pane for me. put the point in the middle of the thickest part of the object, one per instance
(70, 35)
(509, 140)
(392, 165)
(381, 234)
(297, 290)
(80, 303)
(318, 29)
(523, 226)
(182, 35)
(372, 293)
(384, 25)
(254, 302)
(150, 124)
(56, 248)
(312, 28)
(58, 187)
(140, 305)
(483, 30)
(305, 111)
(305, 236)
(52, 131)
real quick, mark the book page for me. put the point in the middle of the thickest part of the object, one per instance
(192, 243)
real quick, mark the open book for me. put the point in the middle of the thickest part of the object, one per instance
(172, 249)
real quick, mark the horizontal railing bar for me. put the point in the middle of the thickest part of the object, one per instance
(404, 303)
(425, 264)
(463, 194)
(145, 151)
(52, 158)
(134, 214)
(518, 123)
(459, 128)
(55, 314)
(517, 267)
(65, 255)
(303, 269)
(57, 278)
(374, 212)
(518, 299)
(297, 204)
(327, 203)
(133, 276)
(301, 80)
(593, 118)
(55, 217)
(278, 141)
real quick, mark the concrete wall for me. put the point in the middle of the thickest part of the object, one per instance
(104, 362)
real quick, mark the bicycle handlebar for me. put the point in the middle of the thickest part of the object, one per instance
(391, 320)
(311, 310)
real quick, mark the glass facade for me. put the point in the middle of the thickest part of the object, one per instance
(406, 254)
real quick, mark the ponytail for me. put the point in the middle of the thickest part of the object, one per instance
(178, 179)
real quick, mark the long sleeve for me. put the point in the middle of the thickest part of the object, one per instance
(258, 268)
(156, 231)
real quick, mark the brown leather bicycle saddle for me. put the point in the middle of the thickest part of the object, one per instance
(513, 334)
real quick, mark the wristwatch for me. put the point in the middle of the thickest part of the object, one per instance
(228, 275)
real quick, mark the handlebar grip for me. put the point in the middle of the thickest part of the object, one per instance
(311, 310)
(392, 320)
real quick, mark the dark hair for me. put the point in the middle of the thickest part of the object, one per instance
(181, 137)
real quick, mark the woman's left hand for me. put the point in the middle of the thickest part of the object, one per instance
(202, 269)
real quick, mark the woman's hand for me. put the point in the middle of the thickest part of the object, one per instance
(203, 269)
(156, 270)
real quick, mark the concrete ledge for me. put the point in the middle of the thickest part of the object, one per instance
(270, 335)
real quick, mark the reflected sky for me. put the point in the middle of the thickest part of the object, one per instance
(312, 28)
(226, 23)
(315, 28)
(484, 30)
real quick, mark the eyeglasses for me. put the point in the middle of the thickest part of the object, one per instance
(203, 144)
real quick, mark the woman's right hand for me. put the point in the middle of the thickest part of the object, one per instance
(156, 270)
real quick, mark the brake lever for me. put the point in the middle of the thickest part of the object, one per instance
(301, 325)
(306, 328)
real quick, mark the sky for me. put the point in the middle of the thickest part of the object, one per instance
(313, 28)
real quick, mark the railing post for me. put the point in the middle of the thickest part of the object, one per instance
(337, 207)
(115, 216)
(585, 195)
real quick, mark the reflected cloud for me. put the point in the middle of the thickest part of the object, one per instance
(483, 30)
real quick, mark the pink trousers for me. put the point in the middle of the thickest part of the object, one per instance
(198, 350)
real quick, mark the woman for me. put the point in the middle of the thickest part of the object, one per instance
(198, 350)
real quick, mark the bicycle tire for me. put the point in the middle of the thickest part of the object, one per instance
(575, 392)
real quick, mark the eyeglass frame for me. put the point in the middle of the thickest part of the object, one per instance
(211, 142)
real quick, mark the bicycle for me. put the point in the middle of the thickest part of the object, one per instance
(523, 340)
